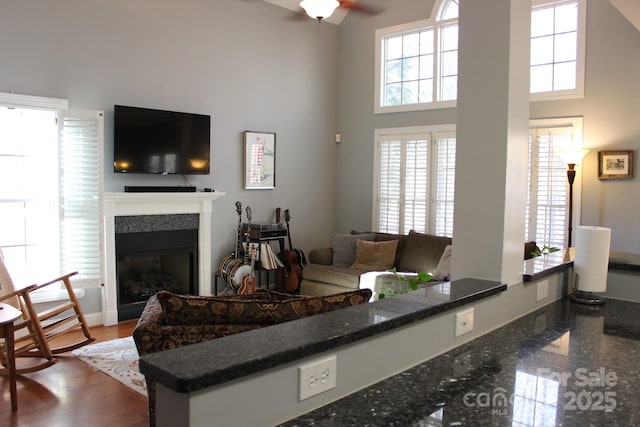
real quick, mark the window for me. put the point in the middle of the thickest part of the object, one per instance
(547, 209)
(415, 180)
(557, 49)
(49, 193)
(419, 62)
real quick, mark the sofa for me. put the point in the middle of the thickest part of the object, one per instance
(171, 320)
(338, 268)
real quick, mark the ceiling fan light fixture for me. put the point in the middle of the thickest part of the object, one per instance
(319, 9)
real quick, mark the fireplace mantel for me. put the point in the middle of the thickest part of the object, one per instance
(121, 204)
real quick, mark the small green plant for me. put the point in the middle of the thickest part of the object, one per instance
(545, 250)
(411, 283)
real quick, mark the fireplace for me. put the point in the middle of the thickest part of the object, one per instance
(151, 213)
(148, 262)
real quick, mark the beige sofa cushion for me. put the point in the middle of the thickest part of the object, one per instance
(342, 276)
(374, 256)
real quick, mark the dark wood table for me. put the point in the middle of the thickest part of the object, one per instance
(8, 315)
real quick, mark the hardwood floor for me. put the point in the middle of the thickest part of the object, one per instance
(71, 394)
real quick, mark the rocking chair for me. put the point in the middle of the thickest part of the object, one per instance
(36, 331)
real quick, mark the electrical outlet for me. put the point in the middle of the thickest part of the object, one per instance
(464, 322)
(542, 290)
(317, 377)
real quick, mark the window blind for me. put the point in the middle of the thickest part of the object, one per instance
(415, 181)
(546, 213)
(389, 184)
(416, 188)
(445, 183)
(81, 185)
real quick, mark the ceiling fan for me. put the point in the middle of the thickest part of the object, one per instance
(322, 9)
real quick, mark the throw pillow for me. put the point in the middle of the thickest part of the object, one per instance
(344, 247)
(375, 256)
(383, 237)
(443, 270)
(422, 252)
(264, 307)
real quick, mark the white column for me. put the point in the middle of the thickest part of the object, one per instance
(492, 135)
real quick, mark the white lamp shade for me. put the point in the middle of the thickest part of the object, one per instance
(572, 155)
(591, 261)
(319, 9)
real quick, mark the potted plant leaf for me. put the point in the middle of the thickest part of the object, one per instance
(405, 283)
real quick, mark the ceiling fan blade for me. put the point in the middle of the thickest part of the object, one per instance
(357, 6)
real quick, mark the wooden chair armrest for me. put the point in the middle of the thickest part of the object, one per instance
(19, 292)
(64, 278)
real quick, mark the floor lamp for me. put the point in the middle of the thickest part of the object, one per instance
(572, 157)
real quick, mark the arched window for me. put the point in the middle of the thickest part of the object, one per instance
(448, 10)
(419, 62)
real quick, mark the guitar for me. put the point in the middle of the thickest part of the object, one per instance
(249, 282)
(291, 259)
(243, 269)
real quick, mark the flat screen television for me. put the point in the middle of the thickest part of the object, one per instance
(160, 142)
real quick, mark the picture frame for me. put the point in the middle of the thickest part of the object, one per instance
(259, 160)
(615, 164)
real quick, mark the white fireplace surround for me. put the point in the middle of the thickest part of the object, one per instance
(124, 204)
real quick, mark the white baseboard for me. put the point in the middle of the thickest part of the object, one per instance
(94, 319)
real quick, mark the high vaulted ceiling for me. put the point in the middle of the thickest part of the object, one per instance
(630, 9)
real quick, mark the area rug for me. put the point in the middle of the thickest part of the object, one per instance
(117, 358)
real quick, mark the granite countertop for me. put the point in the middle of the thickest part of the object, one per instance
(565, 364)
(541, 266)
(538, 267)
(624, 261)
(192, 368)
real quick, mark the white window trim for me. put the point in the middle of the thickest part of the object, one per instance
(578, 92)
(37, 102)
(405, 131)
(52, 295)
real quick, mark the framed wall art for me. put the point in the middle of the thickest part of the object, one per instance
(259, 160)
(615, 164)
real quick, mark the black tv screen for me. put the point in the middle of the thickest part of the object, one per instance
(160, 142)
